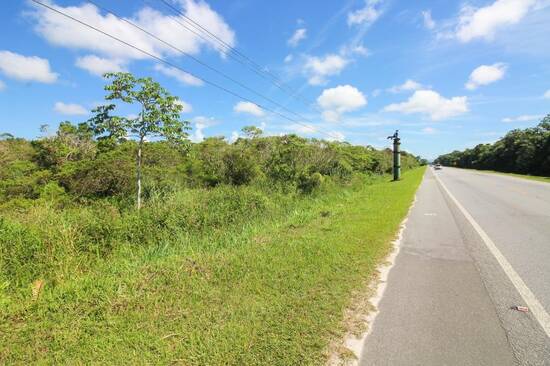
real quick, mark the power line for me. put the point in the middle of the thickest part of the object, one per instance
(204, 64)
(178, 67)
(258, 69)
(197, 25)
(196, 31)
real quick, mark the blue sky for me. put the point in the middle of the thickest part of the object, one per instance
(447, 74)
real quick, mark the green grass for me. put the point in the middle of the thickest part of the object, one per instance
(263, 291)
(524, 176)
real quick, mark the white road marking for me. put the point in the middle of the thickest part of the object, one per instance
(531, 301)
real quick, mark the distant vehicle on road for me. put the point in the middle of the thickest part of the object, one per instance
(437, 167)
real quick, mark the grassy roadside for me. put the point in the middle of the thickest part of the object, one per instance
(266, 293)
(524, 176)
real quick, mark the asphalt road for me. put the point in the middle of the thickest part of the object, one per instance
(476, 244)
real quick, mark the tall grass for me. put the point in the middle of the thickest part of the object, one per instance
(46, 242)
(232, 275)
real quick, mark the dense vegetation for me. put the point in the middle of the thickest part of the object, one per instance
(523, 151)
(292, 224)
(71, 182)
(71, 167)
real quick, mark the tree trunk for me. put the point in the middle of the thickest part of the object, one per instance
(139, 173)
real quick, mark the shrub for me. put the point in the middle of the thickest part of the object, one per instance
(240, 168)
(111, 173)
(53, 192)
(307, 183)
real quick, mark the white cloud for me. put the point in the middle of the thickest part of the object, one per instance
(431, 103)
(406, 86)
(301, 128)
(429, 23)
(366, 15)
(26, 68)
(484, 22)
(98, 65)
(336, 136)
(64, 32)
(429, 131)
(486, 74)
(198, 134)
(523, 118)
(248, 107)
(70, 109)
(186, 107)
(202, 14)
(355, 49)
(200, 123)
(376, 92)
(2, 85)
(338, 100)
(289, 58)
(234, 136)
(360, 50)
(179, 75)
(319, 68)
(308, 129)
(299, 35)
(547, 94)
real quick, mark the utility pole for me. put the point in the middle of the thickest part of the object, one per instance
(396, 155)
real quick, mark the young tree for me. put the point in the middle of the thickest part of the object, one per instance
(159, 116)
(252, 131)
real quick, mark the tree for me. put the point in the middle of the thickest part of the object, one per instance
(252, 131)
(70, 143)
(159, 116)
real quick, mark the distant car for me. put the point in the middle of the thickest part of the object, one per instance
(437, 167)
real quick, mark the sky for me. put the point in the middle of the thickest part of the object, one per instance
(447, 74)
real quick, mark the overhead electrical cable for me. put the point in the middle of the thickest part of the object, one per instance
(197, 60)
(162, 60)
(235, 53)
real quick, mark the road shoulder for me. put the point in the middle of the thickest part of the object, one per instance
(436, 309)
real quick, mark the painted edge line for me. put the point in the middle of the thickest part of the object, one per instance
(531, 301)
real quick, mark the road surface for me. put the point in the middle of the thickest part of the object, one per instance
(476, 244)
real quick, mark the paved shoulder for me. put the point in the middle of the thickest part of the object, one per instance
(436, 309)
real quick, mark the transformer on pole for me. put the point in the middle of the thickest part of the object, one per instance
(396, 155)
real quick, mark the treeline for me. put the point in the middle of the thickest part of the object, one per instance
(523, 151)
(110, 156)
(73, 166)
